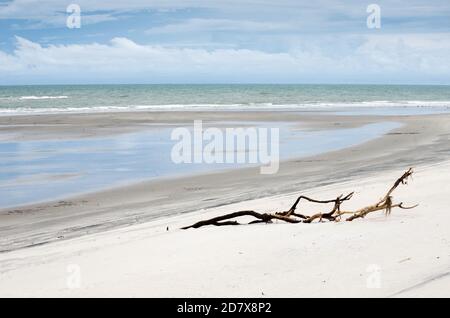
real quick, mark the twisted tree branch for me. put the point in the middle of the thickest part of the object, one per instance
(291, 216)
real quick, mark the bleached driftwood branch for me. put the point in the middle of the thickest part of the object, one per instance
(292, 216)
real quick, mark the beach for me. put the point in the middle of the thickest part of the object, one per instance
(126, 239)
(219, 156)
(403, 255)
(420, 139)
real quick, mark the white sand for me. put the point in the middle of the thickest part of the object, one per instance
(405, 254)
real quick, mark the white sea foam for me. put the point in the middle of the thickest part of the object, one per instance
(42, 97)
(32, 97)
(241, 107)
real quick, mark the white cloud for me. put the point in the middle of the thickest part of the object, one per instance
(398, 58)
(208, 25)
(315, 12)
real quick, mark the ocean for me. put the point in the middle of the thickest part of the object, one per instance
(92, 98)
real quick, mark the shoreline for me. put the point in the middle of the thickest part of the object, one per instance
(422, 139)
(86, 125)
(431, 106)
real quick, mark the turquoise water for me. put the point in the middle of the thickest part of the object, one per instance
(20, 99)
(35, 171)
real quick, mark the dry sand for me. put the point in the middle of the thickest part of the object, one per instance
(405, 254)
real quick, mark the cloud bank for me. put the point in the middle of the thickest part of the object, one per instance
(381, 58)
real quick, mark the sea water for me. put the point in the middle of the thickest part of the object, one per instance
(94, 98)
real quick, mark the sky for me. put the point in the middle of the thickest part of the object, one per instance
(245, 41)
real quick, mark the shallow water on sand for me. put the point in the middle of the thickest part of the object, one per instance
(37, 171)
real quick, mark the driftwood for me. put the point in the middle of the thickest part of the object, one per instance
(292, 216)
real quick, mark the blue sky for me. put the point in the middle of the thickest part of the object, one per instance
(246, 41)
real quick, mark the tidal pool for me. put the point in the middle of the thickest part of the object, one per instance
(37, 171)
